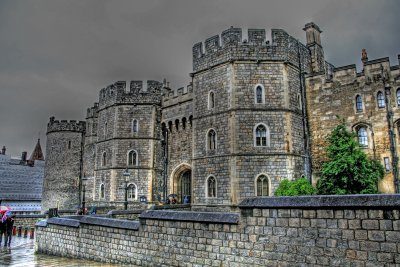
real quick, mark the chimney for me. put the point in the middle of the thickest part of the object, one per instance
(23, 157)
(364, 56)
(3, 150)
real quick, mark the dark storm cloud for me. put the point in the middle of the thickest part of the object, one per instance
(56, 55)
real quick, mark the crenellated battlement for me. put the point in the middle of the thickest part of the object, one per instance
(64, 125)
(173, 96)
(92, 111)
(131, 92)
(374, 71)
(230, 46)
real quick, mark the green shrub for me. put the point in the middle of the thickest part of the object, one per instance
(298, 187)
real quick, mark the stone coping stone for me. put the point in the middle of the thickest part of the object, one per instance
(125, 212)
(172, 206)
(191, 216)
(109, 222)
(64, 221)
(41, 223)
(30, 216)
(333, 202)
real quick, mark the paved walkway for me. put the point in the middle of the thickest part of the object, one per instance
(22, 254)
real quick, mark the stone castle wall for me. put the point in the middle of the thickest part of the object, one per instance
(295, 231)
(335, 96)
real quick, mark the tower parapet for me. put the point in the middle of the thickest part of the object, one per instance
(92, 111)
(124, 92)
(230, 47)
(64, 125)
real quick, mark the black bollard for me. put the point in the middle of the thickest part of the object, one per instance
(32, 233)
(14, 230)
(25, 232)
(19, 230)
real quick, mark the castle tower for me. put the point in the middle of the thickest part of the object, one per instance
(63, 169)
(313, 36)
(248, 131)
(128, 137)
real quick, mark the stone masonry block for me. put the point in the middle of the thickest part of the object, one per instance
(370, 224)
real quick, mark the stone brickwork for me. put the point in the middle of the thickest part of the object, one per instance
(285, 231)
(61, 184)
(329, 97)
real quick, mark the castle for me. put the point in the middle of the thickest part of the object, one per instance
(255, 112)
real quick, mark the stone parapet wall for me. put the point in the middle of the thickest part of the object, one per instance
(295, 231)
(28, 220)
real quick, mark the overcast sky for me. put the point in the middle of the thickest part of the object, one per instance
(57, 55)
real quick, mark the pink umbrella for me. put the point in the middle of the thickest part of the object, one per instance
(4, 208)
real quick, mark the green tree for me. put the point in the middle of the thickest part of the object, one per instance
(349, 170)
(299, 187)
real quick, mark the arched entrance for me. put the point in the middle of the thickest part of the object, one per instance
(185, 186)
(182, 182)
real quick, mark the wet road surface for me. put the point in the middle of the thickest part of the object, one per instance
(22, 254)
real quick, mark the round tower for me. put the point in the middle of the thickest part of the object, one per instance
(63, 170)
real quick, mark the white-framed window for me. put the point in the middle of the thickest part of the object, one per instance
(381, 99)
(387, 164)
(262, 185)
(362, 135)
(104, 159)
(359, 104)
(102, 192)
(132, 158)
(398, 97)
(132, 191)
(135, 126)
(259, 94)
(211, 100)
(211, 187)
(261, 135)
(211, 139)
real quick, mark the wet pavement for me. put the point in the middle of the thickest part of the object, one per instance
(22, 254)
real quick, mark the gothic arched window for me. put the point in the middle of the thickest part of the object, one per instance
(132, 189)
(211, 100)
(132, 158)
(261, 135)
(102, 193)
(262, 186)
(362, 136)
(212, 140)
(135, 126)
(259, 94)
(211, 187)
(359, 105)
(381, 100)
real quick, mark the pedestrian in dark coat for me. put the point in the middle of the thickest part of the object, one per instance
(2, 230)
(9, 228)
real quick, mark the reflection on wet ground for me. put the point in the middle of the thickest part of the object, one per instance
(22, 253)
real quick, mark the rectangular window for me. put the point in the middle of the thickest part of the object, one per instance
(387, 164)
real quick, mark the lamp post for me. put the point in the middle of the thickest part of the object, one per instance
(83, 195)
(126, 175)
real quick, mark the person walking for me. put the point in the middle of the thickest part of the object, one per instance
(9, 228)
(2, 230)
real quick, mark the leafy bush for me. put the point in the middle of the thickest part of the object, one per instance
(299, 187)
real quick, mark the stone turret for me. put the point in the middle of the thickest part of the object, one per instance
(61, 185)
(313, 36)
